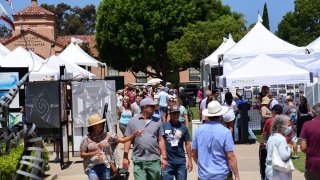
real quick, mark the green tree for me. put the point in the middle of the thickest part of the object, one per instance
(4, 31)
(133, 35)
(301, 26)
(73, 20)
(199, 40)
(265, 17)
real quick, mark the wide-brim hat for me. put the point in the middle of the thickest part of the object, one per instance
(265, 100)
(214, 109)
(289, 98)
(95, 119)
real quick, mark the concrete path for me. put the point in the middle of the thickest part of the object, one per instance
(247, 156)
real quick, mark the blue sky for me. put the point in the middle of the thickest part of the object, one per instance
(276, 8)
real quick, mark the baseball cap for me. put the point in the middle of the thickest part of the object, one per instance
(174, 109)
(147, 101)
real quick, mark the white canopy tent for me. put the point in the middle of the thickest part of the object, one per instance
(23, 58)
(265, 70)
(258, 40)
(4, 51)
(76, 71)
(212, 59)
(73, 53)
(314, 46)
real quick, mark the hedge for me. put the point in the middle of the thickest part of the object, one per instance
(9, 162)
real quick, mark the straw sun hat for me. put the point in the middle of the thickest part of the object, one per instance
(265, 100)
(214, 109)
(95, 119)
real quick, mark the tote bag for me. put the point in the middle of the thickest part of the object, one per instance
(278, 164)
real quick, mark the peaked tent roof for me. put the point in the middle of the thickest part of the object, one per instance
(76, 70)
(23, 58)
(265, 70)
(212, 59)
(314, 45)
(259, 40)
(73, 53)
(4, 51)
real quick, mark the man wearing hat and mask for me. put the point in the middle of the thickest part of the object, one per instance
(176, 135)
(148, 146)
(213, 148)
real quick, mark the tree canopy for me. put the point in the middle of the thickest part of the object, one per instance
(4, 31)
(265, 17)
(199, 40)
(301, 26)
(73, 20)
(134, 35)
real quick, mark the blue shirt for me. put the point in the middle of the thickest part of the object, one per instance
(125, 116)
(212, 140)
(156, 115)
(175, 136)
(163, 99)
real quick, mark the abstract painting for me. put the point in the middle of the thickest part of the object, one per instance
(8, 80)
(42, 104)
(90, 98)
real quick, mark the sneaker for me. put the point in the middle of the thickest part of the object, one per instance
(295, 157)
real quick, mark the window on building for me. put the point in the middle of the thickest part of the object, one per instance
(194, 75)
(141, 77)
(112, 72)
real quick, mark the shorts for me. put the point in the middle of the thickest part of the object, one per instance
(294, 138)
(99, 171)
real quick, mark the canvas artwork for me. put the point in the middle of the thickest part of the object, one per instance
(8, 79)
(90, 98)
(42, 104)
(14, 118)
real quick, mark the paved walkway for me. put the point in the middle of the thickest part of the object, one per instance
(247, 156)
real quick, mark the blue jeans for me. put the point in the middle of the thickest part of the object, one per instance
(179, 171)
(162, 110)
(99, 171)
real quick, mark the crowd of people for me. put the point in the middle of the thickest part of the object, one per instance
(282, 126)
(154, 123)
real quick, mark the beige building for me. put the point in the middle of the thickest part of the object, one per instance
(35, 29)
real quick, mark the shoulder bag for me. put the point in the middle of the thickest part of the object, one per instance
(278, 164)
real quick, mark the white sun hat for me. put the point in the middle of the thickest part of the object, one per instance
(214, 109)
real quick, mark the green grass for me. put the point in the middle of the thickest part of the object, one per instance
(300, 163)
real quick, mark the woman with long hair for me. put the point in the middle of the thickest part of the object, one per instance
(183, 112)
(125, 113)
(229, 116)
(95, 148)
(304, 114)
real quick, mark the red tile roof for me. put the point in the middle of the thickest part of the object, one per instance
(66, 40)
(33, 10)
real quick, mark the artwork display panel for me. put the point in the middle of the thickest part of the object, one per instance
(42, 104)
(90, 98)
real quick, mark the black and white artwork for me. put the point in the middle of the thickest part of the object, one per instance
(42, 104)
(90, 98)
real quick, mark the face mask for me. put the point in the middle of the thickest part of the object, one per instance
(288, 130)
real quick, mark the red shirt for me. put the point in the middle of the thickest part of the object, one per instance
(311, 133)
(267, 126)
